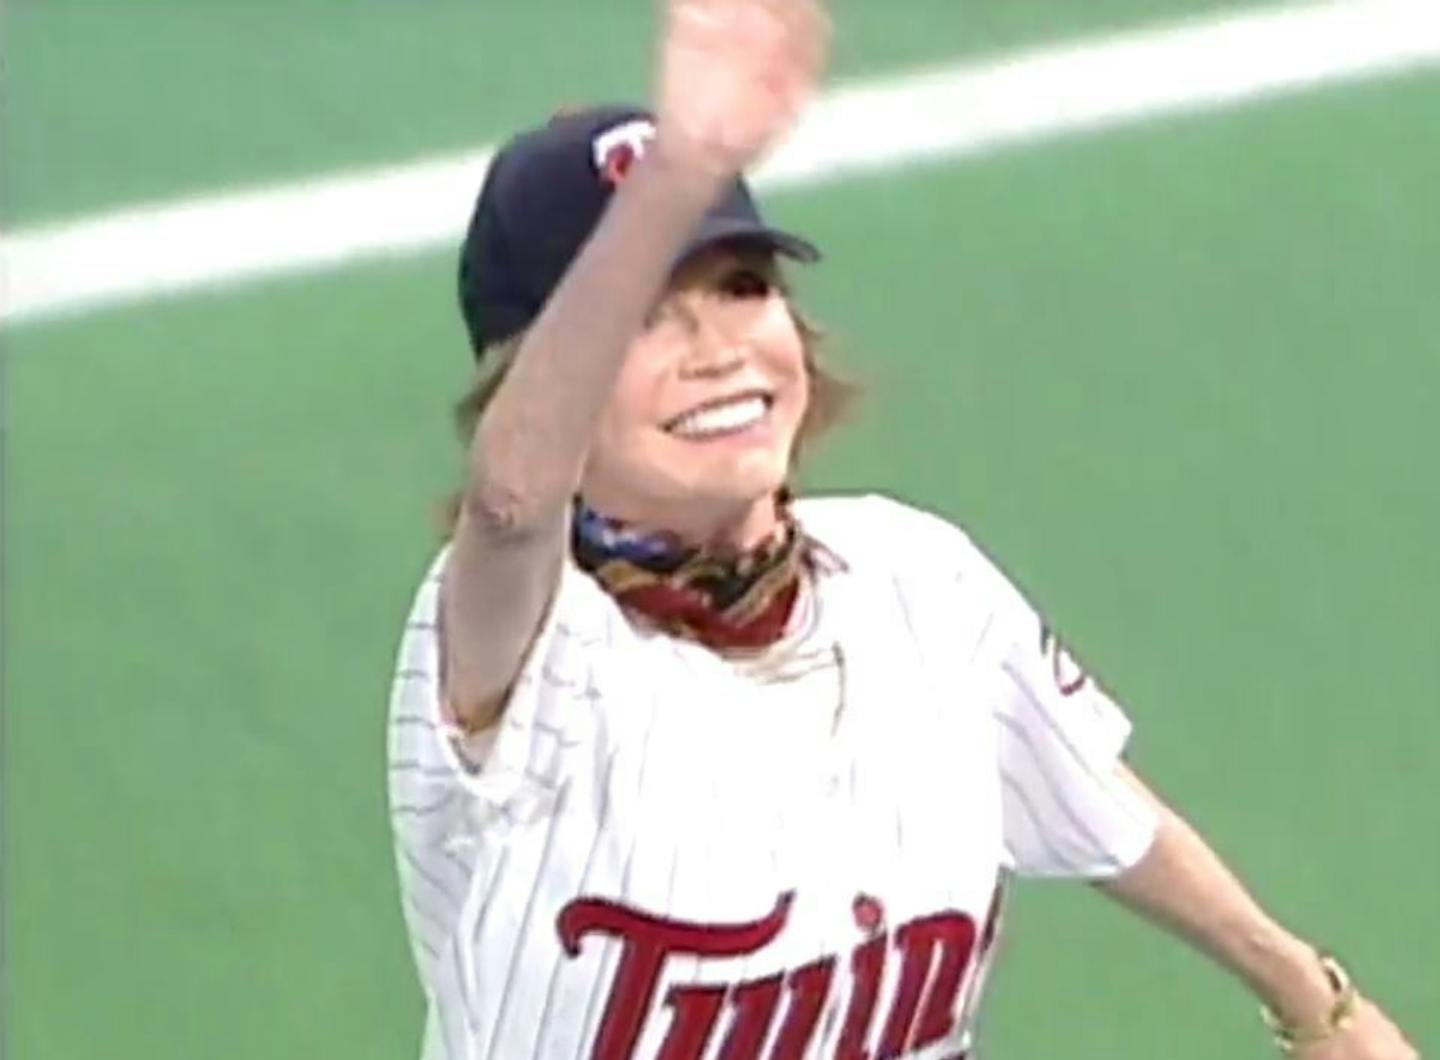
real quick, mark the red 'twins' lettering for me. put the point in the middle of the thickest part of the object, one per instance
(647, 941)
(935, 953)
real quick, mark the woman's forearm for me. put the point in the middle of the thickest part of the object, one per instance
(1182, 885)
(531, 444)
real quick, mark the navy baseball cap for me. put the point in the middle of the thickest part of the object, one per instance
(543, 195)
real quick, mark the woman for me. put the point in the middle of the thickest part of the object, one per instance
(681, 767)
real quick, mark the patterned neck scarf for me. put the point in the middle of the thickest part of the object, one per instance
(720, 597)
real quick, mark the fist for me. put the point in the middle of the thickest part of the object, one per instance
(733, 76)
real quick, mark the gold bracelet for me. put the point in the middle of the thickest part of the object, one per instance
(1342, 1011)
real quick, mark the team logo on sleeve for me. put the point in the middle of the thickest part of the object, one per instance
(1069, 676)
(618, 149)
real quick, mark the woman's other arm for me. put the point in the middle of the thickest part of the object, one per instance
(1182, 885)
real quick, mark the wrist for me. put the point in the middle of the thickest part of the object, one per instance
(1304, 1024)
(688, 164)
(1286, 975)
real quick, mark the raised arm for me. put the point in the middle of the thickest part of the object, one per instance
(732, 75)
(1183, 886)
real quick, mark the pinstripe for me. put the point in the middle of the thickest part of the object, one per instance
(421, 872)
(462, 975)
(1023, 687)
(559, 682)
(904, 605)
(588, 1025)
(457, 950)
(1056, 787)
(984, 633)
(1036, 822)
(588, 1028)
(403, 721)
(490, 892)
(643, 770)
(565, 740)
(426, 771)
(426, 913)
(555, 685)
(456, 862)
(602, 819)
(1106, 781)
(512, 978)
(427, 808)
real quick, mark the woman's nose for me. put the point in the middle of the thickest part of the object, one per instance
(712, 360)
(713, 350)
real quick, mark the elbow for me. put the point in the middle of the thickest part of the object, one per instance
(518, 489)
(505, 513)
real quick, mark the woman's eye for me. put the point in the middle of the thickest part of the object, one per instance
(659, 313)
(746, 283)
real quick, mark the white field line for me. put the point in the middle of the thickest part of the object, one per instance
(951, 111)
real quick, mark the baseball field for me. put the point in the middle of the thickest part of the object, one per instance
(1179, 374)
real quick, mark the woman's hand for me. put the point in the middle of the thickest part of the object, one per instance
(733, 76)
(1368, 1036)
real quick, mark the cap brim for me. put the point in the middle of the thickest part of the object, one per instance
(718, 230)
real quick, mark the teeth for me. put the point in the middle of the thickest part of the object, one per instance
(734, 416)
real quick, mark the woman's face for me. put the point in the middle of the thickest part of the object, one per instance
(699, 430)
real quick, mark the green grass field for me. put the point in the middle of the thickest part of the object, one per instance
(1179, 378)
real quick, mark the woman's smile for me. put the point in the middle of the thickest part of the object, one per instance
(729, 417)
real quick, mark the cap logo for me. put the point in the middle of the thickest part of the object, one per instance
(618, 149)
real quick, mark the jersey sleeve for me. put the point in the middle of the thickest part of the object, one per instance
(1067, 810)
(454, 797)
(516, 759)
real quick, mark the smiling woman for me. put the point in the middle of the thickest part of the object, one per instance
(683, 766)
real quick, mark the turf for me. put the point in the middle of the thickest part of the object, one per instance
(110, 103)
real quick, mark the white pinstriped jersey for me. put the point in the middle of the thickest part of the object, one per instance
(663, 853)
